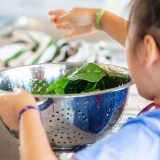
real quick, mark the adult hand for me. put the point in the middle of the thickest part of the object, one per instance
(11, 104)
(81, 21)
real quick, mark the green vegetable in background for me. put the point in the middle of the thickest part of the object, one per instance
(51, 42)
(16, 55)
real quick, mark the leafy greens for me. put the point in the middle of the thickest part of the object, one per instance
(87, 78)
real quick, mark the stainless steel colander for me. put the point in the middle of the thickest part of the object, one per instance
(75, 120)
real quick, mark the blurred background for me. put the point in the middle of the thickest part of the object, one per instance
(39, 8)
(27, 22)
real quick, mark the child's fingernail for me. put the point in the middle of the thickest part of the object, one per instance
(17, 87)
(55, 20)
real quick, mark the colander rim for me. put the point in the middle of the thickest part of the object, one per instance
(115, 89)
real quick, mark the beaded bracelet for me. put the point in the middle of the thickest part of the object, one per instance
(99, 15)
(24, 110)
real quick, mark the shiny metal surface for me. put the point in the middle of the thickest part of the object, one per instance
(71, 121)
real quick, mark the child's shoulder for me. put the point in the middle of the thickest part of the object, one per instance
(133, 141)
(149, 120)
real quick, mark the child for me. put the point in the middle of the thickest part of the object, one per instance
(139, 138)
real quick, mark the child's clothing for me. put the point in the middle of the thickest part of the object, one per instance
(139, 137)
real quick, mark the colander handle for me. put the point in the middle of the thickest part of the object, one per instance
(149, 107)
(44, 104)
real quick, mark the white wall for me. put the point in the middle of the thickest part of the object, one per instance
(120, 7)
(39, 8)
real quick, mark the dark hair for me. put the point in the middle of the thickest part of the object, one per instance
(145, 14)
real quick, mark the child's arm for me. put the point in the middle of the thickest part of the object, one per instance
(82, 21)
(115, 26)
(34, 144)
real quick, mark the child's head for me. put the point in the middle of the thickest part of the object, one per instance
(143, 47)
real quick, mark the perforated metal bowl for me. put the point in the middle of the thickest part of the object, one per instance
(75, 120)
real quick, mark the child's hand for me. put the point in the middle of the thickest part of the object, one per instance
(11, 104)
(81, 21)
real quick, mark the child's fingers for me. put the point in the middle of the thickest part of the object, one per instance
(72, 34)
(18, 87)
(5, 93)
(53, 19)
(21, 92)
(64, 26)
(17, 90)
(56, 12)
(83, 31)
(64, 18)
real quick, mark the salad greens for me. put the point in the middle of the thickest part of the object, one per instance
(87, 78)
